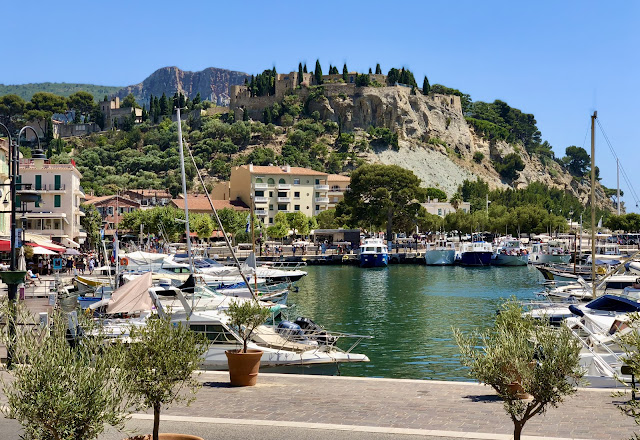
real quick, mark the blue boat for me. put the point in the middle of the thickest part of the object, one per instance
(477, 253)
(374, 253)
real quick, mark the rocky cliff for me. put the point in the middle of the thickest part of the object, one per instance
(437, 144)
(212, 84)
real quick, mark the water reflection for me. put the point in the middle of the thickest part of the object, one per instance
(410, 311)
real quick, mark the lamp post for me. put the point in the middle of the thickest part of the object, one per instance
(13, 277)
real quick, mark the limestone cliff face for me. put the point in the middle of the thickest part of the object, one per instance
(436, 142)
(212, 84)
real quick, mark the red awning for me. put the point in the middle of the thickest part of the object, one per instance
(5, 245)
(51, 248)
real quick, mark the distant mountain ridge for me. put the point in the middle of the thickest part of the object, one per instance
(212, 83)
(26, 91)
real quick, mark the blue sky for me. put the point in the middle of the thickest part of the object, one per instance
(559, 60)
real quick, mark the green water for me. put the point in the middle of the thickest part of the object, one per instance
(409, 310)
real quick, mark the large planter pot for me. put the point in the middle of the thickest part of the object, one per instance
(243, 367)
(166, 437)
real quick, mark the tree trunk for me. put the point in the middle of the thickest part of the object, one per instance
(156, 421)
(517, 430)
(389, 224)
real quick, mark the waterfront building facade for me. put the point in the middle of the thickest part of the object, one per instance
(112, 208)
(58, 213)
(441, 209)
(338, 184)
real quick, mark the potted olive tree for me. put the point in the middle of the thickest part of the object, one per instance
(62, 385)
(244, 364)
(160, 363)
(530, 365)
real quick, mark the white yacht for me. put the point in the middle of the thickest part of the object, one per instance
(548, 252)
(510, 252)
(440, 253)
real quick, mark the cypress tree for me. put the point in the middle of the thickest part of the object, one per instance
(318, 73)
(300, 76)
(378, 69)
(426, 87)
(164, 105)
(370, 72)
(345, 73)
(198, 98)
(304, 69)
(330, 69)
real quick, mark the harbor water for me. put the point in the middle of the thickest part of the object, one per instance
(410, 312)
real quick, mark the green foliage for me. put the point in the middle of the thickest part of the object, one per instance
(245, 317)
(403, 76)
(345, 73)
(382, 136)
(577, 161)
(327, 219)
(362, 80)
(160, 218)
(161, 362)
(625, 222)
(630, 343)
(509, 166)
(426, 87)
(543, 362)
(478, 157)
(318, 73)
(280, 227)
(436, 193)
(57, 391)
(298, 222)
(129, 101)
(263, 84)
(436, 141)
(381, 195)
(488, 130)
(91, 222)
(26, 91)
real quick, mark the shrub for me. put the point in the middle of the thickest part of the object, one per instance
(509, 166)
(478, 156)
(384, 136)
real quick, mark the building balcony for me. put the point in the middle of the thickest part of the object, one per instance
(321, 187)
(284, 186)
(45, 231)
(260, 186)
(260, 199)
(284, 199)
(322, 199)
(261, 212)
(51, 188)
(335, 192)
(286, 211)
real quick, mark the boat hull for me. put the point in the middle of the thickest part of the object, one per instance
(443, 257)
(509, 260)
(374, 260)
(549, 259)
(475, 259)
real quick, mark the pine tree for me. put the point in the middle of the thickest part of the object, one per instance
(378, 69)
(318, 73)
(426, 87)
(300, 75)
(198, 98)
(345, 73)
(330, 69)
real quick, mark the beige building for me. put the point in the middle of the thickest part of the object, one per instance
(338, 184)
(58, 214)
(443, 208)
(276, 189)
(114, 115)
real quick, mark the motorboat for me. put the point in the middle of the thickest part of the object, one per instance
(582, 290)
(374, 253)
(510, 252)
(548, 252)
(477, 253)
(440, 253)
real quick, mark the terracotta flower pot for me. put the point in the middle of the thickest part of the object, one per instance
(243, 367)
(166, 437)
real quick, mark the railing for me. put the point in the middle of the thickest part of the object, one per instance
(322, 187)
(322, 199)
(260, 185)
(260, 212)
(284, 199)
(260, 199)
(284, 186)
(50, 187)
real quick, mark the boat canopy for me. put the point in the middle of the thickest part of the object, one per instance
(133, 296)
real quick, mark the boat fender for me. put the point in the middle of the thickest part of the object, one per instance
(576, 311)
(124, 261)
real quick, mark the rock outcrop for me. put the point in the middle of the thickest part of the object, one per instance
(212, 84)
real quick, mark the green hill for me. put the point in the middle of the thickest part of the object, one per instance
(26, 91)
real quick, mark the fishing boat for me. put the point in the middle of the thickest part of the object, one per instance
(477, 253)
(374, 253)
(548, 252)
(440, 253)
(510, 252)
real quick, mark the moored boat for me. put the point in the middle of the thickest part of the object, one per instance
(440, 253)
(374, 253)
(510, 252)
(477, 253)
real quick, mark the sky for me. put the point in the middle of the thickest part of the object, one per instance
(559, 60)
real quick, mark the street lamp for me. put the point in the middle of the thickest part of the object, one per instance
(13, 277)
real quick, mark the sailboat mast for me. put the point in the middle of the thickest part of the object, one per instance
(186, 204)
(593, 202)
(253, 241)
(618, 179)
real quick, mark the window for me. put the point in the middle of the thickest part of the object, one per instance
(282, 194)
(217, 334)
(296, 181)
(317, 181)
(270, 220)
(56, 201)
(281, 181)
(110, 210)
(270, 207)
(282, 207)
(270, 193)
(259, 180)
(259, 193)
(296, 207)
(317, 207)
(270, 181)
(38, 182)
(317, 194)
(296, 194)
(56, 182)
(439, 211)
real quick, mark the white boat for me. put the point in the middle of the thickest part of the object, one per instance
(477, 253)
(582, 290)
(440, 253)
(374, 253)
(510, 252)
(548, 252)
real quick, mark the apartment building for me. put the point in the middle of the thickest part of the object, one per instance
(274, 189)
(112, 208)
(5, 206)
(338, 184)
(58, 213)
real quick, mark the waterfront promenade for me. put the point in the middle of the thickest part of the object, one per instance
(340, 406)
